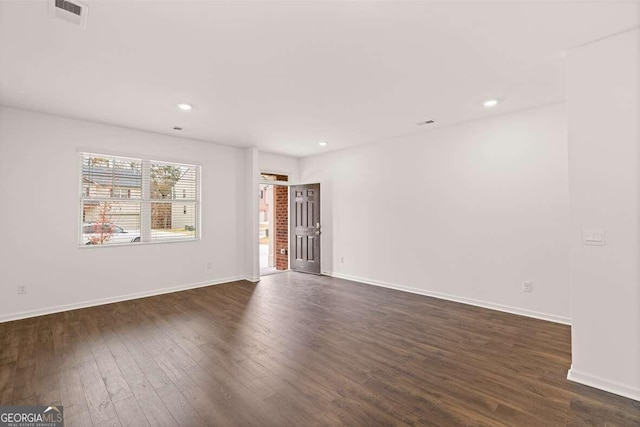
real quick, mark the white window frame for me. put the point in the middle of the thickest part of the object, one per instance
(145, 200)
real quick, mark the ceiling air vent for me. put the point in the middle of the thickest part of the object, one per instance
(69, 11)
(69, 7)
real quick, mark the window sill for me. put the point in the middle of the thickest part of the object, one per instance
(117, 245)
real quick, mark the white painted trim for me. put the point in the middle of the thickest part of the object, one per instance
(135, 156)
(281, 183)
(102, 301)
(478, 303)
(603, 384)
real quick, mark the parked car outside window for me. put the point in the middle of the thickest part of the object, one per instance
(94, 233)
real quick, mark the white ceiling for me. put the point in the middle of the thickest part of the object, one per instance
(284, 75)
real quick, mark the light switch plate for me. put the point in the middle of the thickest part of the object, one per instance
(593, 236)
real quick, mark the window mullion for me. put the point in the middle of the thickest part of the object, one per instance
(198, 213)
(145, 219)
(81, 194)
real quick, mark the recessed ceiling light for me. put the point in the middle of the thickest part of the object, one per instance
(323, 143)
(185, 107)
(490, 103)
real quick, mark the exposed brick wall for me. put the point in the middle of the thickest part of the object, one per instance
(281, 202)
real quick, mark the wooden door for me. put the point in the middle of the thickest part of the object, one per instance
(305, 228)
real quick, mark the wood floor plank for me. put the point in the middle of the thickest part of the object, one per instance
(80, 342)
(46, 360)
(24, 388)
(81, 419)
(299, 349)
(227, 396)
(72, 393)
(179, 407)
(147, 364)
(114, 381)
(114, 422)
(61, 341)
(100, 406)
(28, 337)
(9, 343)
(129, 413)
(48, 390)
(152, 406)
(7, 377)
(125, 362)
(210, 411)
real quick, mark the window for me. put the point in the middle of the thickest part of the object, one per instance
(127, 200)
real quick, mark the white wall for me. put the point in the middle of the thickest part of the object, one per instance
(468, 212)
(251, 234)
(280, 165)
(39, 216)
(604, 174)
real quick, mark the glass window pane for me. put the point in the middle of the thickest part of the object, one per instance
(174, 220)
(110, 222)
(111, 177)
(173, 181)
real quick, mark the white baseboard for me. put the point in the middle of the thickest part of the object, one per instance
(85, 304)
(499, 307)
(603, 384)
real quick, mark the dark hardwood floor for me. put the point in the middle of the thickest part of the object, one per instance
(299, 350)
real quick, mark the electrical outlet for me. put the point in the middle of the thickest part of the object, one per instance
(22, 289)
(341, 260)
(209, 265)
(527, 286)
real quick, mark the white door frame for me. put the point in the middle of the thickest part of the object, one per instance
(285, 184)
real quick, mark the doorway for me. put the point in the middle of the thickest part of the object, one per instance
(274, 224)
